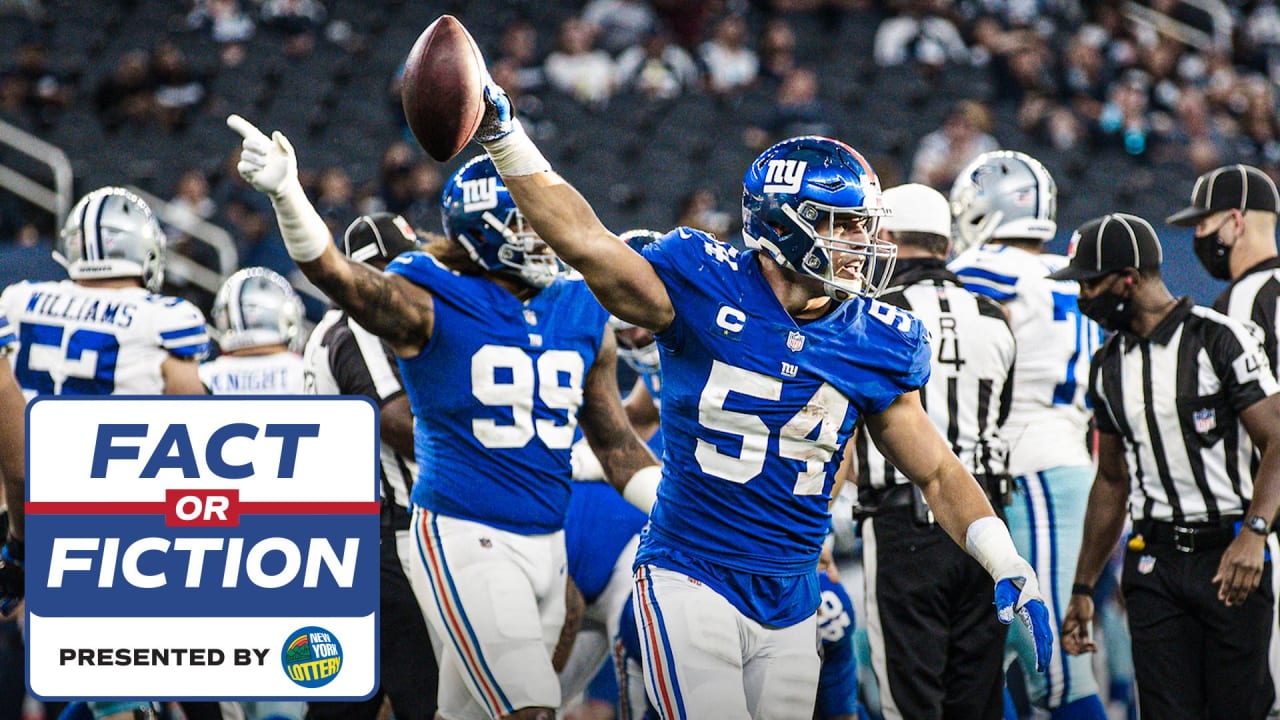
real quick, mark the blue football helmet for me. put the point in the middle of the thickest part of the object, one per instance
(801, 188)
(636, 346)
(111, 233)
(478, 213)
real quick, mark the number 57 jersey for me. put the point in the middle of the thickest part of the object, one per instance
(78, 340)
(756, 411)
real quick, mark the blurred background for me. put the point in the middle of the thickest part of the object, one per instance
(652, 107)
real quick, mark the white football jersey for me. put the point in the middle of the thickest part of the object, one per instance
(276, 374)
(77, 340)
(1049, 416)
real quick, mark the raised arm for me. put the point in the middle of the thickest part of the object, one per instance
(625, 283)
(629, 465)
(389, 306)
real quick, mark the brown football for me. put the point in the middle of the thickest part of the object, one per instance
(443, 88)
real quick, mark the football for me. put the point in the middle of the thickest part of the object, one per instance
(443, 88)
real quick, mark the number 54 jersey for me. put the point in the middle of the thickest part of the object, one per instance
(78, 340)
(495, 395)
(756, 411)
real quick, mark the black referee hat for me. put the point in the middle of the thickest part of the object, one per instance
(1240, 187)
(1110, 243)
(379, 235)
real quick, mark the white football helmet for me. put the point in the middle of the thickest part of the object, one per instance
(111, 233)
(1003, 194)
(256, 306)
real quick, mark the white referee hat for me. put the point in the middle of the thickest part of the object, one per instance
(917, 208)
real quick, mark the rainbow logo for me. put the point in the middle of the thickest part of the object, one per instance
(311, 656)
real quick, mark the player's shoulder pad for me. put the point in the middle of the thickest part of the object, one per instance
(900, 336)
(690, 245)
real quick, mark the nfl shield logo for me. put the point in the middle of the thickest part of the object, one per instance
(1205, 420)
(1146, 564)
(795, 340)
(530, 317)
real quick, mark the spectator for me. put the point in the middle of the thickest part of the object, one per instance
(1196, 137)
(619, 24)
(178, 89)
(1084, 74)
(700, 210)
(47, 95)
(918, 32)
(798, 112)
(1124, 120)
(577, 68)
(730, 64)
(777, 49)
(228, 24)
(945, 151)
(519, 47)
(298, 20)
(335, 199)
(127, 95)
(657, 68)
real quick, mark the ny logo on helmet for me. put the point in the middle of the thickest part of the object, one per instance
(479, 194)
(784, 175)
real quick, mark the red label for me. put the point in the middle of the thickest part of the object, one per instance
(201, 508)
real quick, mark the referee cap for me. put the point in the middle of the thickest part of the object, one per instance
(1239, 187)
(917, 208)
(1110, 243)
(379, 235)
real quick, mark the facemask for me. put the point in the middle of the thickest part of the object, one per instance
(1213, 255)
(1108, 309)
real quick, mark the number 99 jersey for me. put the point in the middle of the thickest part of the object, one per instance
(495, 394)
(78, 340)
(756, 411)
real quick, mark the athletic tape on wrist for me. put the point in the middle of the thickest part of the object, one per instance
(515, 154)
(642, 489)
(989, 542)
(306, 237)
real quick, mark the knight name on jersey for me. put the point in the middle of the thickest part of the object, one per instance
(257, 515)
(270, 380)
(81, 309)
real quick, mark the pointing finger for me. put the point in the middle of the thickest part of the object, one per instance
(246, 129)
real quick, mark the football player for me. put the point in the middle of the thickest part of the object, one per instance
(769, 357)
(342, 358)
(1003, 208)
(502, 356)
(12, 477)
(257, 319)
(105, 330)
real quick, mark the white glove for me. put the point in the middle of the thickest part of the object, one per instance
(270, 166)
(266, 163)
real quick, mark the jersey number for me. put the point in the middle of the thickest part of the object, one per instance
(1066, 310)
(54, 363)
(797, 440)
(507, 377)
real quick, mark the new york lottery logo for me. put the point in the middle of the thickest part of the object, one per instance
(312, 656)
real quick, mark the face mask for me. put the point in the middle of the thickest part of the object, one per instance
(1213, 255)
(1108, 309)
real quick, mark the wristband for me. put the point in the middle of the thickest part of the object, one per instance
(988, 541)
(515, 154)
(306, 237)
(642, 489)
(1082, 589)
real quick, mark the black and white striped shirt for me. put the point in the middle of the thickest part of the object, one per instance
(1254, 297)
(1176, 398)
(969, 389)
(342, 358)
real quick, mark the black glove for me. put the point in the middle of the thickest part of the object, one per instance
(13, 584)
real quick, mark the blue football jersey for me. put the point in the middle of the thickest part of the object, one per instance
(756, 410)
(495, 393)
(838, 681)
(599, 524)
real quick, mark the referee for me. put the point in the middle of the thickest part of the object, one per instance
(342, 358)
(936, 648)
(1181, 394)
(1233, 213)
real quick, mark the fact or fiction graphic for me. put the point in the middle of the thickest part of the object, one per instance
(202, 548)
